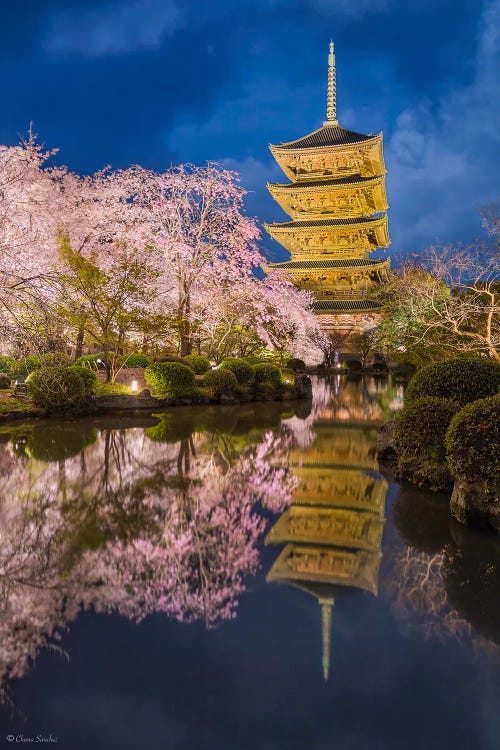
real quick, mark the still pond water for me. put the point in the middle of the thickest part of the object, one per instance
(232, 578)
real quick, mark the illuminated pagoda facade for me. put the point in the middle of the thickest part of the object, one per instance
(337, 204)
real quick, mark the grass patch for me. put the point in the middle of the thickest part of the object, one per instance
(9, 403)
(112, 389)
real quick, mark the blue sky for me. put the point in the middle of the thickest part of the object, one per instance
(157, 82)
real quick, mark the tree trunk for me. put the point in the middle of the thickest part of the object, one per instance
(79, 343)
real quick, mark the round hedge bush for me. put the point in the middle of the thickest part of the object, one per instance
(380, 367)
(4, 381)
(55, 359)
(175, 358)
(296, 365)
(7, 364)
(473, 442)
(55, 388)
(222, 382)
(463, 380)
(419, 435)
(136, 360)
(267, 374)
(172, 379)
(200, 364)
(243, 372)
(88, 376)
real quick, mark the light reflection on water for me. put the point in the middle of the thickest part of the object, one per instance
(166, 515)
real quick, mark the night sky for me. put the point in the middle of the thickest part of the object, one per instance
(156, 82)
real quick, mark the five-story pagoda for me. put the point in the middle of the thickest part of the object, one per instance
(337, 203)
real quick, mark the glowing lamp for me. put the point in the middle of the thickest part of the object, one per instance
(133, 387)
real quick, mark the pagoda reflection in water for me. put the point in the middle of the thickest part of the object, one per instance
(332, 532)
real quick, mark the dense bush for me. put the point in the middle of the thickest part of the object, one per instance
(296, 365)
(175, 358)
(173, 379)
(55, 388)
(7, 364)
(88, 376)
(463, 380)
(354, 365)
(55, 359)
(90, 361)
(419, 434)
(222, 382)
(200, 364)
(243, 372)
(380, 367)
(404, 370)
(136, 360)
(25, 366)
(473, 442)
(4, 380)
(267, 374)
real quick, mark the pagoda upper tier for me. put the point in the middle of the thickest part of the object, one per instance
(331, 152)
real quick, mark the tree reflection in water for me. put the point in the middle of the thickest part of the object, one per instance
(162, 519)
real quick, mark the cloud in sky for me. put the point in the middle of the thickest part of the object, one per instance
(116, 29)
(441, 155)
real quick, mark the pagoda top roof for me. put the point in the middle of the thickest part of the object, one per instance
(325, 184)
(329, 134)
(326, 222)
(333, 263)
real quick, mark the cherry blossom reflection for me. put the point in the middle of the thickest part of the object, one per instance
(130, 521)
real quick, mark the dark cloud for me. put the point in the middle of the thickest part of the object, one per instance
(156, 81)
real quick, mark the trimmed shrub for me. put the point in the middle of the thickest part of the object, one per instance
(173, 379)
(222, 382)
(4, 380)
(267, 374)
(55, 359)
(473, 442)
(463, 380)
(243, 372)
(136, 360)
(88, 376)
(174, 358)
(90, 361)
(404, 370)
(419, 434)
(56, 388)
(353, 365)
(200, 364)
(26, 365)
(296, 365)
(7, 364)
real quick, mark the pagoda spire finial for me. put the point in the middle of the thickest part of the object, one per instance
(331, 95)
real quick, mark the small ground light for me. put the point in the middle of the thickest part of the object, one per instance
(133, 387)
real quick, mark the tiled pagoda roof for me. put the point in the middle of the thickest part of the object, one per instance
(329, 134)
(340, 305)
(290, 265)
(326, 184)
